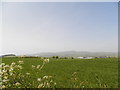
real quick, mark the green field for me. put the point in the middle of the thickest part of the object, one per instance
(74, 73)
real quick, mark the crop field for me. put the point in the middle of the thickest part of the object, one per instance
(65, 73)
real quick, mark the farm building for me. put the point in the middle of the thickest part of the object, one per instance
(9, 55)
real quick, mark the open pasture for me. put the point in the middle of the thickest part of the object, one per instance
(73, 73)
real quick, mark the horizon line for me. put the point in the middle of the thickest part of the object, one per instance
(64, 51)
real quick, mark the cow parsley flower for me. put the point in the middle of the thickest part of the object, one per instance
(20, 62)
(39, 79)
(17, 84)
(46, 60)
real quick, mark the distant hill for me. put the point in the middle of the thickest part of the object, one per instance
(75, 54)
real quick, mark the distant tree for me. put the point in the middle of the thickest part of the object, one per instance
(53, 57)
(72, 57)
(57, 57)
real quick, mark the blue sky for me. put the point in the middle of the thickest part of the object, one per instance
(52, 27)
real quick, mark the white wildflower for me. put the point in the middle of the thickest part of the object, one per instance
(28, 73)
(20, 62)
(38, 66)
(2, 64)
(55, 83)
(75, 73)
(5, 77)
(3, 86)
(17, 84)
(40, 86)
(45, 77)
(39, 79)
(11, 69)
(20, 67)
(83, 86)
(4, 71)
(51, 81)
(46, 60)
(6, 66)
(5, 80)
(33, 66)
(13, 63)
(47, 84)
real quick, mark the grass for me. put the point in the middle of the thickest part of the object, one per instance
(75, 73)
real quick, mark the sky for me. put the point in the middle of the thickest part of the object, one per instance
(33, 27)
(60, 0)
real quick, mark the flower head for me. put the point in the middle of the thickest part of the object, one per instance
(39, 79)
(46, 60)
(17, 84)
(20, 62)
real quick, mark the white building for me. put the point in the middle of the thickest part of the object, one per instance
(80, 57)
(85, 57)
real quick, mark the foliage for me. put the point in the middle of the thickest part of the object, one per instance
(12, 76)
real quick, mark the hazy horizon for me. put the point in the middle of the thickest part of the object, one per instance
(54, 27)
(56, 52)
